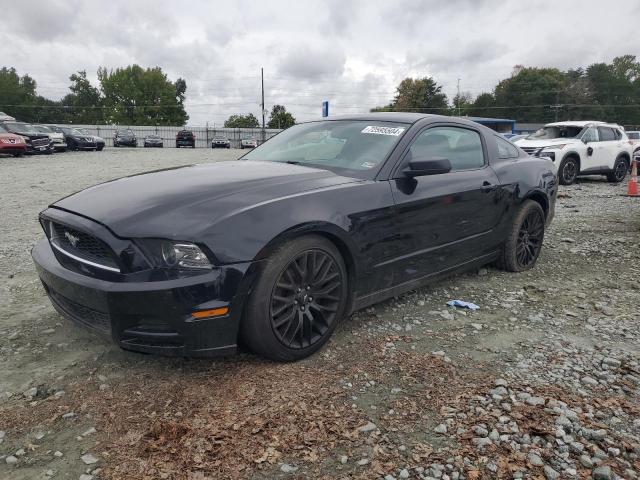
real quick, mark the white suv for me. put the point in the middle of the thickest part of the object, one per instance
(582, 148)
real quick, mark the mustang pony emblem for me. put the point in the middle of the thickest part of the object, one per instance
(73, 240)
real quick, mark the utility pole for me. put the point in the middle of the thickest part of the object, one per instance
(262, 81)
(458, 97)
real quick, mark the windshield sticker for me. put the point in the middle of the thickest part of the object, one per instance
(393, 131)
(368, 165)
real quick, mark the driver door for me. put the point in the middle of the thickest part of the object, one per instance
(445, 220)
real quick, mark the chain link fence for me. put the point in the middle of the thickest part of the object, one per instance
(204, 135)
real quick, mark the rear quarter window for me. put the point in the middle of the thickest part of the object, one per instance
(607, 134)
(506, 149)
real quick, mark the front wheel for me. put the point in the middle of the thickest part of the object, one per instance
(524, 240)
(568, 171)
(620, 168)
(299, 298)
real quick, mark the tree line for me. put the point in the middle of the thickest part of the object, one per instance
(601, 91)
(131, 95)
(145, 96)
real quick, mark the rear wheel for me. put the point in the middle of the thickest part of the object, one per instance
(568, 171)
(299, 298)
(620, 168)
(524, 240)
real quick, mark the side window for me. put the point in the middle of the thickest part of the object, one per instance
(506, 149)
(591, 135)
(461, 146)
(606, 134)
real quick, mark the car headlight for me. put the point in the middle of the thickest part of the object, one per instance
(554, 147)
(175, 255)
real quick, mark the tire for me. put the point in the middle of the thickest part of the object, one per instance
(620, 169)
(568, 171)
(290, 313)
(520, 251)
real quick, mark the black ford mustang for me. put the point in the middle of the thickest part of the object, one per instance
(274, 249)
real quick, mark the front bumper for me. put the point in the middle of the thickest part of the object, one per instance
(154, 316)
(13, 148)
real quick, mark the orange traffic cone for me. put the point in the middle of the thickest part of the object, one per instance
(632, 187)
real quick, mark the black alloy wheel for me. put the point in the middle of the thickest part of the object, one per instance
(620, 169)
(530, 239)
(568, 171)
(524, 239)
(299, 297)
(305, 299)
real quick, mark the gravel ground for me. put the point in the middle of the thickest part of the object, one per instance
(542, 381)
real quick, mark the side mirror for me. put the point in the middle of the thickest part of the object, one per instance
(432, 166)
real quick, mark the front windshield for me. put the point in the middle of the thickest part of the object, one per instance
(552, 132)
(42, 129)
(349, 147)
(21, 127)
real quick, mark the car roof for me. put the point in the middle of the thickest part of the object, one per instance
(582, 123)
(399, 117)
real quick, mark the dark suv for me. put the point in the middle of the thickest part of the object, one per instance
(36, 142)
(125, 138)
(185, 138)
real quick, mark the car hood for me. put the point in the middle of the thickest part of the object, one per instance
(181, 202)
(546, 143)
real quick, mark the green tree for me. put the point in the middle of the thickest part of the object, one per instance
(280, 118)
(483, 106)
(137, 96)
(462, 102)
(242, 121)
(616, 88)
(422, 95)
(17, 94)
(531, 94)
(84, 103)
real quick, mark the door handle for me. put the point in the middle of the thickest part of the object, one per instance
(488, 186)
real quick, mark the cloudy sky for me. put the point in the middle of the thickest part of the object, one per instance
(350, 52)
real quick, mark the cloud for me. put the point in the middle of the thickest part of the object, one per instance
(313, 62)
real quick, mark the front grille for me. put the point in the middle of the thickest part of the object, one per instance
(81, 314)
(40, 142)
(82, 246)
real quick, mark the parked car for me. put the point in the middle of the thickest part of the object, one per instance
(276, 248)
(100, 143)
(248, 142)
(36, 142)
(582, 148)
(57, 138)
(11, 144)
(185, 138)
(512, 137)
(76, 140)
(125, 138)
(220, 141)
(153, 141)
(634, 140)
